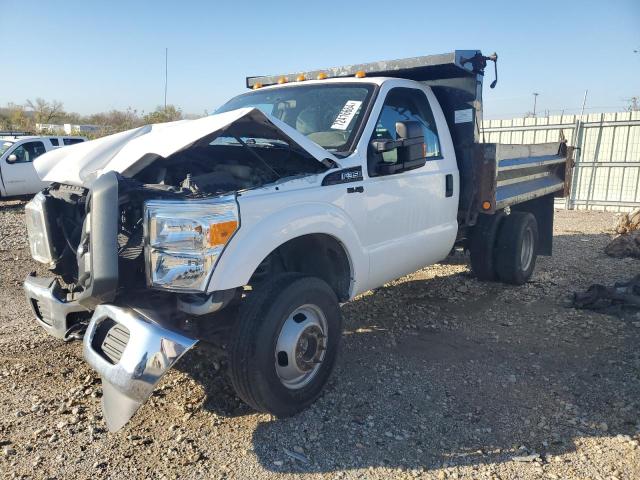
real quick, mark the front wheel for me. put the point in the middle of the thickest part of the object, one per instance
(285, 343)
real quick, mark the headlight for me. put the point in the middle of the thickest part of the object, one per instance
(183, 240)
(38, 231)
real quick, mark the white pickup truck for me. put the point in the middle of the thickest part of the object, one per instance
(17, 153)
(249, 227)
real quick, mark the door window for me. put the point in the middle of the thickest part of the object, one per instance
(54, 142)
(402, 105)
(29, 151)
(72, 141)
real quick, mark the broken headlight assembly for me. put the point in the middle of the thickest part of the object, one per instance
(184, 239)
(38, 231)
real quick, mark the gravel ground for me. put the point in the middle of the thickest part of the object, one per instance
(440, 376)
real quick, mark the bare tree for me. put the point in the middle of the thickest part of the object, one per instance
(45, 112)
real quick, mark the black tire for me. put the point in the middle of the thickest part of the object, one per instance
(261, 317)
(482, 246)
(516, 233)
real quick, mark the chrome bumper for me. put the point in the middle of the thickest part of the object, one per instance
(51, 311)
(131, 353)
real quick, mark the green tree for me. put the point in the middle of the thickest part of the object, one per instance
(162, 114)
(16, 118)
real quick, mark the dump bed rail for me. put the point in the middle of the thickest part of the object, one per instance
(507, 175)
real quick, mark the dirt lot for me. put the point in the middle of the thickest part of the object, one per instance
(440, 377)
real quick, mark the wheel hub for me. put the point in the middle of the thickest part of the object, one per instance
(301, 346)
(526, 253)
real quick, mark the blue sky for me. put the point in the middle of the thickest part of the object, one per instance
(95, 56)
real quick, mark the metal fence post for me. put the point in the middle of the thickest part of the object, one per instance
(594, 165)
(577, 142)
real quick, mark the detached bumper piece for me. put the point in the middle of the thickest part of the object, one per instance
(131, 353)
(56, 315)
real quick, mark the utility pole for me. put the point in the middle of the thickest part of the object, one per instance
(166, 71)
(535, 101)
(584, 102)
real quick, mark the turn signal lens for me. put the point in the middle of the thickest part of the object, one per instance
(322, 76)
(220, 233)
(486, 205)
(301, 78)
(360, 74)
(282, 80)
(257, 86)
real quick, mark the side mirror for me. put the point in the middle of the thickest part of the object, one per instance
(12, 158)
(409, 146)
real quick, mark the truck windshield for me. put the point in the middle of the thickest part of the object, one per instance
(328, 114)
(4, 146)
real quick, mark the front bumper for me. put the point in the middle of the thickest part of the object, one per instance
(52, 311)
(131, 352)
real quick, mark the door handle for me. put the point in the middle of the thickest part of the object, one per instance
(448, 184)
(355, 189)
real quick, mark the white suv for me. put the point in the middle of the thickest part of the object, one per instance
(17, 153)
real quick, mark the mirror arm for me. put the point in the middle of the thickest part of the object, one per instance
(381, 146)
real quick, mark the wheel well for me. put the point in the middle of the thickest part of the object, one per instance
(319, 255)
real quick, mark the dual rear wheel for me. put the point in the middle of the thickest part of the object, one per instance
(505, 247)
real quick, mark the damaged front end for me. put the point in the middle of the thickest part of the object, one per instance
(133, 244)
(131, 352)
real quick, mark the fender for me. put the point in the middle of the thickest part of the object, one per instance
(259, 235)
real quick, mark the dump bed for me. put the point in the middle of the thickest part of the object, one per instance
(492, 176)
(505, 175)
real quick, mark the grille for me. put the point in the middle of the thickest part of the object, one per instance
(42, 312)
(114, 343)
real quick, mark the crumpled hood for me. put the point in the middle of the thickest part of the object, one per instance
(123, 152)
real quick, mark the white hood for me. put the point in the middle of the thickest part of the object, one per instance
(123, 152)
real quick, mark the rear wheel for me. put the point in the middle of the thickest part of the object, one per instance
(517, 248)
(285, 344)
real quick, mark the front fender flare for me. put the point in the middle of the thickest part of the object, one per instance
(255, 241)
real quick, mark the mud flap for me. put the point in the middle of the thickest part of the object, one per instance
(131, 353)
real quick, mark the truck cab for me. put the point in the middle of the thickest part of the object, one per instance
(393, 209)
(250, 227)
(17, 153)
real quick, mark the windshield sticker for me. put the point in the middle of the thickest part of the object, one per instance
(345, 116)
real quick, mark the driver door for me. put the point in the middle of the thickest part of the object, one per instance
(20, 178)
(409, 219)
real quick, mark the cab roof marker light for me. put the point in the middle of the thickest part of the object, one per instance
(257, 86)
(322, 76)
(282, 80)
(301, 78)
(360, 74)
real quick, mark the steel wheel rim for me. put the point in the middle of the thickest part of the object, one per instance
(301, 346)
(526, 253)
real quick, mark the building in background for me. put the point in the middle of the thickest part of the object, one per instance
(67, 128)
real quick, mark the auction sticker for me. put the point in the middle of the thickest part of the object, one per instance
(345, 116)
